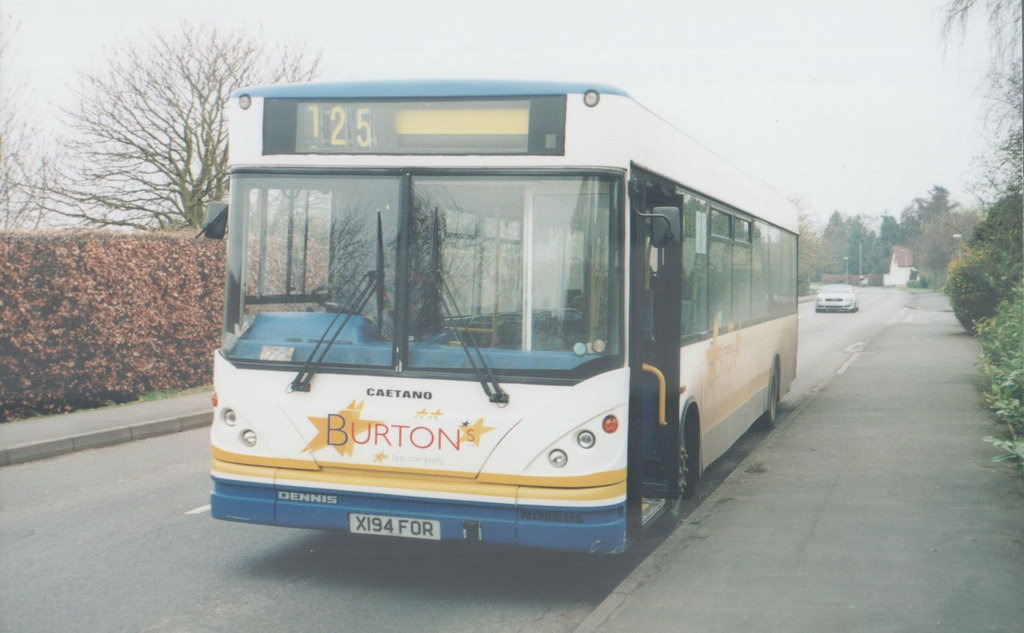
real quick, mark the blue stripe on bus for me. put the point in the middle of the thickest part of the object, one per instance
(570, 528)
(424, 89)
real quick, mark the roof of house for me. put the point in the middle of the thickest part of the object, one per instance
(902, 257)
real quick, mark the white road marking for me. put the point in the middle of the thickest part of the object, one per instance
(199, 510)
(855, 348)
(848, 362)
(897, 317)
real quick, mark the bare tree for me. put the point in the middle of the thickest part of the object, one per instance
(22, 166)
(1004, 20)
(150, 142)
(811, 260)
(1003, 167)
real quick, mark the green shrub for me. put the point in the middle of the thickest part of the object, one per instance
(1002, 359)
(1013, 450)
(972, 288)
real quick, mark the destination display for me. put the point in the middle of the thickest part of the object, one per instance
(532, 125)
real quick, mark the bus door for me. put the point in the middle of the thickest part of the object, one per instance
(655, 323)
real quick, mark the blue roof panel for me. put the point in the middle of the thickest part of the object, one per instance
(420, 89)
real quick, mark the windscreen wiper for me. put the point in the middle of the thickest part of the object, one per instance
(480, 366)
(380, 277)
(371, 283)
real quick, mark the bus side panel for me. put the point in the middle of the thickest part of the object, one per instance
(787, 354)
(736, 376)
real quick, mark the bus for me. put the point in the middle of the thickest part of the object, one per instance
(515, 313)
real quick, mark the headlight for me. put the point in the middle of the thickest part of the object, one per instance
(586, 439)
(558, 458)
(248, 437)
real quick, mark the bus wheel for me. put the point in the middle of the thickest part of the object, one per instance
(687, 473)
(767, 420)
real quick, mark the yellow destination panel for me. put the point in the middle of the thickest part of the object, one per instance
(530, 125)
(463, 121)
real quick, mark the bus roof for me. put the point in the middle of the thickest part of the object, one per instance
(422, 88)
(643, 137)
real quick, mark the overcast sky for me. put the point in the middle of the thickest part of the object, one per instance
(852, 105)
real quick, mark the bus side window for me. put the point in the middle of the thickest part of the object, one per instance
(694, 276)
(761, 271)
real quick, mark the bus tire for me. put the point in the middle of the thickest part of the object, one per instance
(771, 410)
(689, 468)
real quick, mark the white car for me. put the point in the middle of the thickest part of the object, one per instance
(837, 298)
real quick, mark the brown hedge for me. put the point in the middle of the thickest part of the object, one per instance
(92, 318)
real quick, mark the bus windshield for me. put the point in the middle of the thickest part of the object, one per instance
(532, 266)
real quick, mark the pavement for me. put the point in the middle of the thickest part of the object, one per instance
(39, 438)
(873, 506)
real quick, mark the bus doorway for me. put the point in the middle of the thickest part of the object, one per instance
(655, 463)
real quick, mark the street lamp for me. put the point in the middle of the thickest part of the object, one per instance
(847, 262)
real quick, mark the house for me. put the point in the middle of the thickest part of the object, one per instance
(901, 268)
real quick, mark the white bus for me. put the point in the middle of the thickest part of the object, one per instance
(516, 313)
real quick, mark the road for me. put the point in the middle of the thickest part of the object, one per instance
(120, 539)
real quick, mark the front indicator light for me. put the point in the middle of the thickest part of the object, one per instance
(248, 437)
(610, 424)
(558, 458)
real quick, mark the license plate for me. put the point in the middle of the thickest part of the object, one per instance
(394, 526)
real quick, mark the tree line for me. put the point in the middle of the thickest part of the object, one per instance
(934, 227)
(982, 243)
(146, 146)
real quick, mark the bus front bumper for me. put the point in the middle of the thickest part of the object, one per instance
(502, 517)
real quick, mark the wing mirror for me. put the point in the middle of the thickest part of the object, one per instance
(666, 226)
(216, 222)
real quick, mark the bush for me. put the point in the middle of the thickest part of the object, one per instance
(972, 289)
(89, 318)
(1002, 360)
(1013, 450)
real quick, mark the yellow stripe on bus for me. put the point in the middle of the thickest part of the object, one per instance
(243, 471)
(255, 460)
(396, 482)
(365, 470)
(578, 481)
(571, 495)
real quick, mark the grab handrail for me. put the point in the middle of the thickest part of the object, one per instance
(661, 392)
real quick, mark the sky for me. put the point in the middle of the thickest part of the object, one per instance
(856, 106)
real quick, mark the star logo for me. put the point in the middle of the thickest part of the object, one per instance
(473, 433)
(339, 429)
(380, 457)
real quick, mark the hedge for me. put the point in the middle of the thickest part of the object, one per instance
(91, 318)
(1002, 360)
(971, 287)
